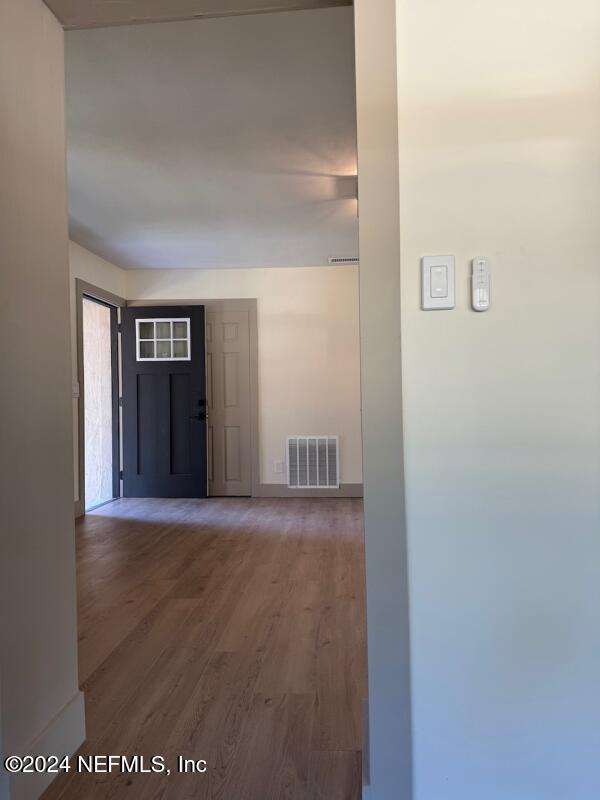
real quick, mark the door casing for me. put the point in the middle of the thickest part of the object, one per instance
(113, 301)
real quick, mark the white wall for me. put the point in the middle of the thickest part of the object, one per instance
(42, 709)
(308, 349)
(500, 155)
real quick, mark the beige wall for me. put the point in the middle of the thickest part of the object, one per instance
(42, 709)
(308, 349)
(500, 155)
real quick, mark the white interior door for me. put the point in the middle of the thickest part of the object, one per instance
(228, 402)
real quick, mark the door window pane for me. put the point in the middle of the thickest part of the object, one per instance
(163, 330)
(146, 349)
(180, 349)
(180, 329)
(146, 330)
(163, 349)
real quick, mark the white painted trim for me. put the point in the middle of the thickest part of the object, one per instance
(63, 736)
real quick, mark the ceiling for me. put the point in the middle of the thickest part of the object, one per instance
(75, 14)
(220, 143)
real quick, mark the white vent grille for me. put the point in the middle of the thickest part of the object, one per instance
(343, 259)
(313, 462)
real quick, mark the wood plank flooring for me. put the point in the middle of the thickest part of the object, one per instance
(230, 630)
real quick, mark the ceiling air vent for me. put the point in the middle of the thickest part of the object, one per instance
(313, 462)
(343, 259)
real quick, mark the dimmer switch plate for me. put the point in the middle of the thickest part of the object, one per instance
(437, 282)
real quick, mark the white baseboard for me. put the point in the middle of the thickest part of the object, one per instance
(61, 737)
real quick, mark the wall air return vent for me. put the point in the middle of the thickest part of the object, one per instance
(343, 259)
(313, 462)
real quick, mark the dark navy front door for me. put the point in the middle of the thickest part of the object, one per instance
(164, 402)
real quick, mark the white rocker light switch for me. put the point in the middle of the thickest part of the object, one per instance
(437, 282)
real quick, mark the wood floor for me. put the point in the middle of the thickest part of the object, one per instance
(229, 630)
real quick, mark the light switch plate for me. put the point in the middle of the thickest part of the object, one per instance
(437, 282)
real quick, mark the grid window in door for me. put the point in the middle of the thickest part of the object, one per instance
(163, 339)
